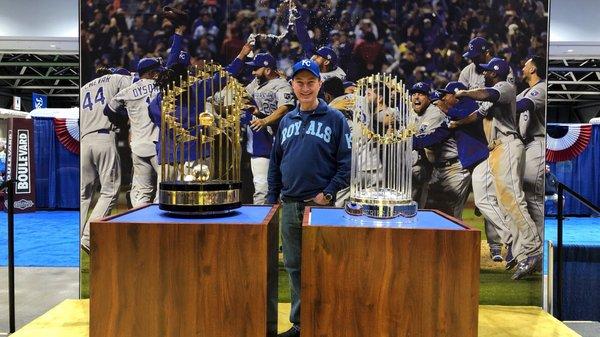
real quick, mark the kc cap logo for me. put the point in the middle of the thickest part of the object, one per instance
(306, 63)
(496, 67)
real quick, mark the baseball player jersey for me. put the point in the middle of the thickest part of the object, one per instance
(95, 95)
(428, 123)
(136, 98)
(531, 123)
(268, 97)
(503, 112)
(474, 80)
(337, 72)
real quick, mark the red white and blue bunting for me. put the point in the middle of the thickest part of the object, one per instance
(566, 141)
(67, 131)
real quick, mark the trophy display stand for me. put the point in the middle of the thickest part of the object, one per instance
(383, 277)
(155, 275)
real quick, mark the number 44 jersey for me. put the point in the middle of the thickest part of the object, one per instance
(95, 95)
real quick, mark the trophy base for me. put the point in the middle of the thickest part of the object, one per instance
(199, 198)
(382, 211)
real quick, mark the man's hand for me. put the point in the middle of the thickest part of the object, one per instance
(246, 49)
(258, 124)
(319, 199)
(453, 125)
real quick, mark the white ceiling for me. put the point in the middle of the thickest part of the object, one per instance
(39, 26)
(574, 28)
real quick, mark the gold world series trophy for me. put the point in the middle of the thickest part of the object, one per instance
(200, 142)
(381, 173)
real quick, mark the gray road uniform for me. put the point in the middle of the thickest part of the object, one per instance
(449, 184)
(506, 162)
(495, 221)
(532, 128)
(268, 97)
(472, 79)
(337, 72)
(143, 138)
(99, 157)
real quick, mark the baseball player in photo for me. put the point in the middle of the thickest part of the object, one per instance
(531, 107)
(495, 221)
(325, 57)
(505, 161)
(449, 181)
(135, 99)
(273, 97)
(99, 157)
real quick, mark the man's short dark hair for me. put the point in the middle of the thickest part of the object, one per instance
(540, 65)
(334, 86)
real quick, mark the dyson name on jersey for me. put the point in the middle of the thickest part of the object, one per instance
(144, 90)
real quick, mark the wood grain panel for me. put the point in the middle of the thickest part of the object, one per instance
(200, 280)
(389, 282)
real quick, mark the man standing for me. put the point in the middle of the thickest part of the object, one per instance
(274, 98)
(531, 105)
(495, 221)
(506, 162)
(143, 133)
(99, 156)
(310, 163)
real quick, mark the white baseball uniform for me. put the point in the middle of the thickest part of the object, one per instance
(99, 157)
(268, 97)
(143, 138)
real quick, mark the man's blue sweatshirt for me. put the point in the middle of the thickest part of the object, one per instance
(311, 154)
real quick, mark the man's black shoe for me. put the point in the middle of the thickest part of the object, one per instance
(527, 267)
(496, 254)
(292, 332)
(511, 262)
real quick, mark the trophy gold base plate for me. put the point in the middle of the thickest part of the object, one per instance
(382, 210)
(199, 198)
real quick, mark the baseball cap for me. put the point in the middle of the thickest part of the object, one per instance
(497, 65)
(349, 84)
(420, 87)
(149, 63)
(452, 88)
(477, 46)
(263, 60)
(328, 54)
(120, 71)
(306, 64)
(435, 95)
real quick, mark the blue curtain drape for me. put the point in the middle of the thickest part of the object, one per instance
(581, 174)
(56, 169)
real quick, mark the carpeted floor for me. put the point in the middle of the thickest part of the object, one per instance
(42, 239)
(71, 319)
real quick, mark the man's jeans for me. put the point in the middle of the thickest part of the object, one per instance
(291, 234)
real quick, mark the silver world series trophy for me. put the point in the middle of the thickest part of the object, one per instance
(381, 174)
(200, 142)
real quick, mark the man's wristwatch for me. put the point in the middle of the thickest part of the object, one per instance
(328, 196)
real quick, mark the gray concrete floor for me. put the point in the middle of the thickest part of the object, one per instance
(585, 328)
(37, 290)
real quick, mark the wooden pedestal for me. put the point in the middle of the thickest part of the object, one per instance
(361, 280)
(161, 276)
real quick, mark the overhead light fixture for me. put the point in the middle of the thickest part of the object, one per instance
(569, 50)
(53, 46)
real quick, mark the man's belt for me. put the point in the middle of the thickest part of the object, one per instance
(446, 163)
